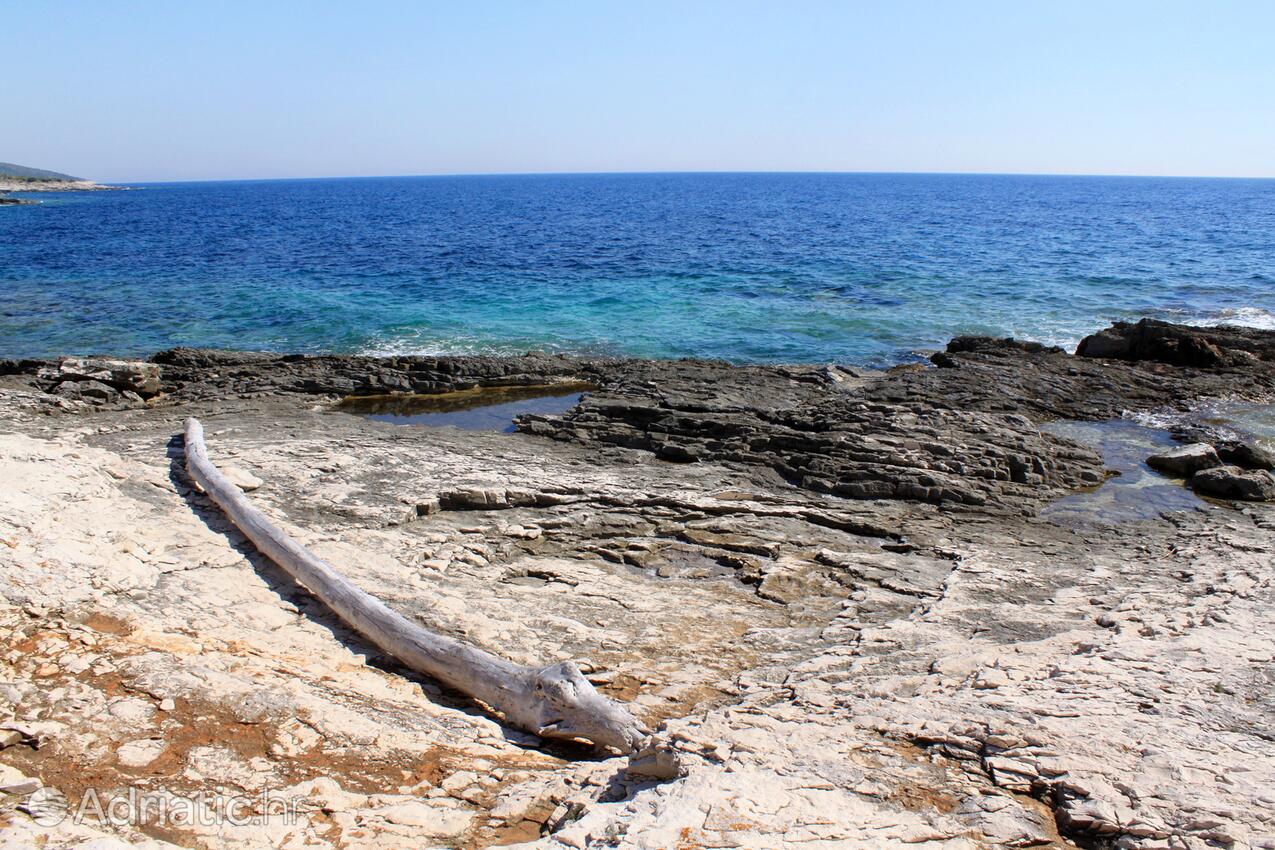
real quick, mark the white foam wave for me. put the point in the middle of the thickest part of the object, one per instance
(422, 345)
(1246, 317)
(1062, 334)
(1229, 418)
(412, 345)
(408, 348)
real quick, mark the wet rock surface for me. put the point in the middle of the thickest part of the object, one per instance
(831, 591)
(1185, 461)
(813, 432)
(1180, 345)
(1233, 482)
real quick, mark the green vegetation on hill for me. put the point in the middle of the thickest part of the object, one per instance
(9, 171)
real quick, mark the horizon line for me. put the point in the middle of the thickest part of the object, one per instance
(694, 172)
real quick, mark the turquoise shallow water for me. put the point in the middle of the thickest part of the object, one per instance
(1136, 491)
(1255, 422)
(487, 411)
(855, 268)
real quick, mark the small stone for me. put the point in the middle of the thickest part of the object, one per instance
(473, 499)
(656, 762)
(139, 753)
(14, 781)
(48, 807)
(95, 391)
(242, 478)
(433, 821)
(990, 678)
(131, 710)
(167, 704)
(458, 781)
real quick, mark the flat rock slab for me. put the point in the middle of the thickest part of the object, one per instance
(1185, 461)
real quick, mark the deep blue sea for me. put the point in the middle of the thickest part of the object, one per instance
(857, 268)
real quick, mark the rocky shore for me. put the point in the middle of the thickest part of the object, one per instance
(20, 185)
(837, 594)
(8, 185)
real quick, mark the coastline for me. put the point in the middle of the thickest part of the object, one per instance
(832, 586)
(8, 185)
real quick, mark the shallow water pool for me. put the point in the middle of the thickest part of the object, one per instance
(1242, 420)
(1138, 492)
(484, 409)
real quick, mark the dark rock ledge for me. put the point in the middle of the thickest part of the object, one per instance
(963, 434)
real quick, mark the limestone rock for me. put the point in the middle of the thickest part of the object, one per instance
(655, 761)
(139, 753)
(242, 478)
(900, 668)
(87, 390)
(1174, 344)
(141, 378)
(1105, 344)
(1246, 454)
(1185, 461)
(1232, 482)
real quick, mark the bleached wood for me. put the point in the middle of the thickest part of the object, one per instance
(554, 701)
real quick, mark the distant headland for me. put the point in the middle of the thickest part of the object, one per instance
(20, 178)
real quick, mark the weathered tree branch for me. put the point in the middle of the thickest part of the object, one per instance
(554, 701)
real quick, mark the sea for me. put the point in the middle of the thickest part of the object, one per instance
(861, 269)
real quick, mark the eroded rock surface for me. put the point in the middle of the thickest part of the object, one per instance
(1185, 461)
(830, 590)
(1233, 482)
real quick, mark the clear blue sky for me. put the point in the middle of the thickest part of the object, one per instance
(211, 90)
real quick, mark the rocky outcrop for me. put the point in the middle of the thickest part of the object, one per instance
(1008, 376)
(8, 184)
(1179, 345)
(1185, 461)
(961, 435)
(1246, 453)
(1233, 482)
(977, 374)
(819, 437)
(100, 378)
(194, 373)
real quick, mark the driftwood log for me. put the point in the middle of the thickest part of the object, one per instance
(553, 702)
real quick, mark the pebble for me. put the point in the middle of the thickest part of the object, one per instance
(242, 478)
(991, 678)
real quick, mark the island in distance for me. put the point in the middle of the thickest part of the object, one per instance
(20, 178)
